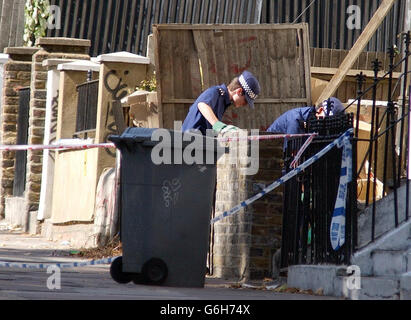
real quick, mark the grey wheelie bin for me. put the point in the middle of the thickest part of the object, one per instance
(165, 210)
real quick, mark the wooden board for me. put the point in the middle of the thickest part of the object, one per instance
(321, 69)
(75, 183)
(356, 50)
(191, 58)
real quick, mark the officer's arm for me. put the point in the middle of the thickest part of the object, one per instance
(207, 112)
(210, 116)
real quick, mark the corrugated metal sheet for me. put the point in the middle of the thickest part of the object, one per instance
(328, 21)
(117, 25)
(11, 23)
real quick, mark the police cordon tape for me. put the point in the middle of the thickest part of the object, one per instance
(300, 152)
(285, 178)
(80, 146)
(39, 266)
(268, 137)
(55, 146)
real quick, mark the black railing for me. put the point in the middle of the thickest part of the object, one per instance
(86, 119)
(385, 166)
(310, 197)
(382, 169)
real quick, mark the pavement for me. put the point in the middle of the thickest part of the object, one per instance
(95, 282)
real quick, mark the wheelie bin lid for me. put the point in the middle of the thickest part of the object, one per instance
(133, 135)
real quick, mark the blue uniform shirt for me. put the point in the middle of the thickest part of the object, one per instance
(290, 121)
(217, 98)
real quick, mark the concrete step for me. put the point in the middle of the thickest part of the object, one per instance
(80, 235)
(335, 281)
(384, 217)
(408, 259)
(371, 257)
(389, 262)
(369, 288)
(405, 286)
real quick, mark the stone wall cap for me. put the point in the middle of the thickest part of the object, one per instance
(21, 50)
(80, 65)
(123, 56)
(73, 42)
(134, 96)
(3, 58)
(55, 62)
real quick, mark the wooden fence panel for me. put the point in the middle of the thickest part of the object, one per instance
(271, 52)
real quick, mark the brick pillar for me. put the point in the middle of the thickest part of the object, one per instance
(243, 244)
(3, 60)
(50, 48)
(120, 73)
(17, 73)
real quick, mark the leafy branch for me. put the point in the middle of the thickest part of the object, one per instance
(148, 85)
(36, 14)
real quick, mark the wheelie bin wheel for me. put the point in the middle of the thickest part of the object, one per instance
(139, 279)
(155, 271)
(116, 272)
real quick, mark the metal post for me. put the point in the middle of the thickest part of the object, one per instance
(404, 104)
(404, 95)
(360, 82)
(353, 200)
(408, 157)
(376, 67)
(374, 193)
(392, 123)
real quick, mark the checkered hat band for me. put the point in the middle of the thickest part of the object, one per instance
(325, 106)
(244, 84)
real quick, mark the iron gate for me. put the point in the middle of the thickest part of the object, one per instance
(19, 184)
(309, 199)
(86, 119)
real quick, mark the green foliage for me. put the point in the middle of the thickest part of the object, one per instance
(148, 85)
(36, 16)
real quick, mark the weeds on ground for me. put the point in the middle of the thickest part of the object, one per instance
(112, 249)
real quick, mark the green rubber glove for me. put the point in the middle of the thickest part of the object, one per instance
(218, 126)
(229, 128)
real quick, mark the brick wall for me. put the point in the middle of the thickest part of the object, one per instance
(17, 73)
(243, 243)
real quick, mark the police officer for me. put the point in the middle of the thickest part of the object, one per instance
(293, 121)
(208, 110)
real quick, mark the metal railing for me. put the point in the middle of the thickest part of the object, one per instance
(86, 118)
(310, 197)
(381, 144)
(385, 165)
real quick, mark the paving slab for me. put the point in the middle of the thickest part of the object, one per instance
(95, 282)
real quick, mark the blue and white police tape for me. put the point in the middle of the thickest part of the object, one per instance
(285, 178)
(39, 266)
(337, 227)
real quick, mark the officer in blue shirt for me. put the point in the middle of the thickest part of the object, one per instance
(293, 121)
(208, 110)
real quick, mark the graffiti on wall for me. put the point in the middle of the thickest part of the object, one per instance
(117, 92)
(53, 121)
